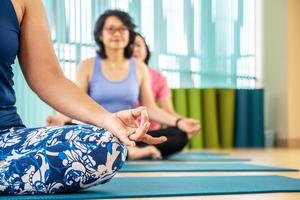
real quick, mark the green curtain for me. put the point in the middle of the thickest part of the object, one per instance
(33, 111)
(210, 118)
(180, 104)
(180, 101)
(195, 111)
(216, 111)
(226, 102)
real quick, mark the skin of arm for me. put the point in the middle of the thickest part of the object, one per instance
(147, 98)
(167, 105)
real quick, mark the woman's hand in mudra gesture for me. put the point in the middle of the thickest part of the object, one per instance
(123, 125)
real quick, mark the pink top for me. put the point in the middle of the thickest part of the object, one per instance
(160, 90)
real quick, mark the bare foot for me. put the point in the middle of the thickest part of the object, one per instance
(136, 153)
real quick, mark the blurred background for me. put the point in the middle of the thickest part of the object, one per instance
(242, 57)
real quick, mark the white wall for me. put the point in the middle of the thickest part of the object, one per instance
(274, 62)
(281, 68)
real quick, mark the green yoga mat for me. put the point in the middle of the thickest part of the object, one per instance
(204, 158)
(180, 101)
(226, 103)
(141, 187)
(178, 167)
(180, 104)
(210, 118)
(195, 110)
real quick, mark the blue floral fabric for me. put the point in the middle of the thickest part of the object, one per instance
(57, 159)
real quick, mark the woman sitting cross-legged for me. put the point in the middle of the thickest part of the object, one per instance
(58, 159)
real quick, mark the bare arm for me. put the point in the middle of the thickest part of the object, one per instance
(147, 99)
(167, 105)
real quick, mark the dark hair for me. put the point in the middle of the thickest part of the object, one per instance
(147, 48)
(126, 20)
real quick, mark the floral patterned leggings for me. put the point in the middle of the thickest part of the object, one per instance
(57, 159)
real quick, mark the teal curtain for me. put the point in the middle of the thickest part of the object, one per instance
(33, 111)
(195, 43)
(249, 118)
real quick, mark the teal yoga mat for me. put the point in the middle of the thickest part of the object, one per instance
(138, 187)
(179, 167)
(249, 118)
(202, 152)
(195, 157)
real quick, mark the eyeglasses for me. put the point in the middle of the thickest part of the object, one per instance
(112, 30)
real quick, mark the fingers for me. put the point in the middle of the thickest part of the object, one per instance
(140, 132)
(137, 111)
(124, 139)
(194, 121)
(126, 117)
(114, 125)
(196, 127)
(191, 121)
(190, 125)
(148, 139)
(144, 117)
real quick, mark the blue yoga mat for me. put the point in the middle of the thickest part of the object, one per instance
(194, 157)
(169, 167)
(139, 187)
(202, 153)
(249, 118)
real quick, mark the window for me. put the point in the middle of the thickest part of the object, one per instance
(195, 43)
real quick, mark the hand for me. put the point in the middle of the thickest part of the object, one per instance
(55, 120)
(123, 125)
(188, 125)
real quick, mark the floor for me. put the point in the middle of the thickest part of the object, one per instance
(274, 157)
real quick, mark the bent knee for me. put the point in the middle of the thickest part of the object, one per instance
(181, 139)
(113, 151)
(118, 154)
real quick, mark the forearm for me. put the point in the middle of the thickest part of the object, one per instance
(161, 116)
(167, 105)
(65, 97)
(175, 114)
